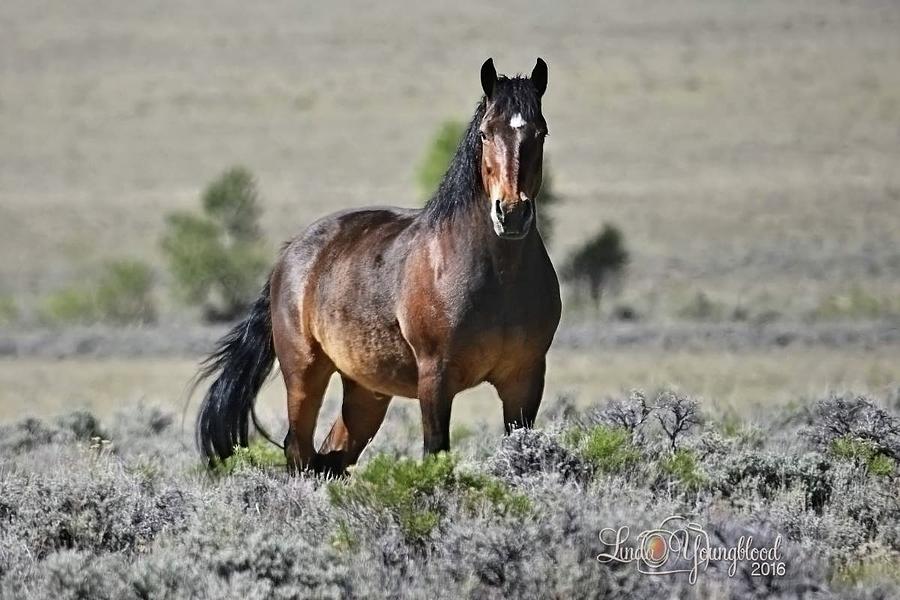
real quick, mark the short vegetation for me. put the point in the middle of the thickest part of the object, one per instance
(597, 266)
(122, 293)
(218, 259)
(123, 509)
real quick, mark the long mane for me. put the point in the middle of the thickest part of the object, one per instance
(461, 185)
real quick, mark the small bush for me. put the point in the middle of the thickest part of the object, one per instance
(260, 454)
(608, 449)
(702, 308)
(856, 418)
(544, 204)
(856, 303)
(68, 306)
(768, 473)
(29, 434)
(125, 293)
(408, 491)
(677, 415)
(9, 310)
(863, 452)
(121, 294)
(598, 264)
(439, 155)
(218, 260)
(684, 467)
(527, 452)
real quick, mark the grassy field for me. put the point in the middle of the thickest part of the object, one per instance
(745, 384)
(747, 150)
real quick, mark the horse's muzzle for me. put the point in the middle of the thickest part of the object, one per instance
(512, 221)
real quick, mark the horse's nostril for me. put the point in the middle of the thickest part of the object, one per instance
(498, 210)
(528, 209)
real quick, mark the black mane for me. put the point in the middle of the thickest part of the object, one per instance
(461, 184)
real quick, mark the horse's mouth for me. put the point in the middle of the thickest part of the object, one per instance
(507, 231)
(512, 235)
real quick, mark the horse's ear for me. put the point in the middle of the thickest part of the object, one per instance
(539, 76)
(488, 77)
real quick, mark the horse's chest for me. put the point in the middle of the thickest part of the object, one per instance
(488, 346)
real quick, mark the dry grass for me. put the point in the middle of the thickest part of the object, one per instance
(744, 383)
(748, 149)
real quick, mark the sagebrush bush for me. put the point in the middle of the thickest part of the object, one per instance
(412, 493)
(608, 449)
(526, 452)
(684, 469)
(125, 510)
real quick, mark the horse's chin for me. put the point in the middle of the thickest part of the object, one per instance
(507, 234)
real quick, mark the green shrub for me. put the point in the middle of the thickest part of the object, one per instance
(9, 310)
(125, 293)
(260, 454)
(607, 448)
(598, 264)
(438, 156)
(544, 204)
(863, 452)
(682, 465)
(121, 294)
(702, 308)
(68, 306)
(407, 490)
(218, 260)
(856, 303)
(877, 566)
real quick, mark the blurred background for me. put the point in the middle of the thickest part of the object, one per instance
(724, 193)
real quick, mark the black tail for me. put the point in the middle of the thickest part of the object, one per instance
(243, 360)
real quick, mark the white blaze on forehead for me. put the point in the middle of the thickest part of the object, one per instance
(517, 121)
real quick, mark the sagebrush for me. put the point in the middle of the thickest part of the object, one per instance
(124, 509)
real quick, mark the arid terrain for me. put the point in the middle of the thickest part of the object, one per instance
(747, 151)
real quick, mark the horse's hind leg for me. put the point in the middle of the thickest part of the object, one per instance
(362, 414)
(306, 371)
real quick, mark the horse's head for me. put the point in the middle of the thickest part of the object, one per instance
(512, 137)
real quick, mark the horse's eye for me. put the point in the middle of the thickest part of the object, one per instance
(483, 136)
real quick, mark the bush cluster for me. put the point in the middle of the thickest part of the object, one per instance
(121, 294)
(124, 509)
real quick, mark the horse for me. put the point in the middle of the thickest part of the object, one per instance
(419, 303)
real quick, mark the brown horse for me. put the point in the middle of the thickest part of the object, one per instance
(416, 303)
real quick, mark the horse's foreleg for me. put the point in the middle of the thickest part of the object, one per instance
(435, 400)
(521, 391)
(362, 413)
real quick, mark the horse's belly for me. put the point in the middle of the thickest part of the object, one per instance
(373, 354)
